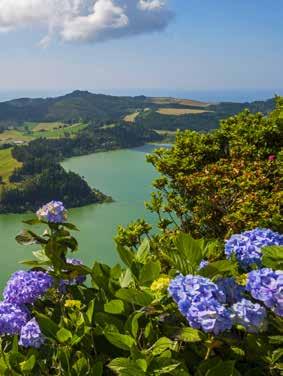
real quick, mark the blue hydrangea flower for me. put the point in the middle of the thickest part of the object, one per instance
(249, 315)
(209, 315)
(53, 212)
(12, 318)
(25, 287)
(201, 302)
(247, 246)
(31, 335)
(231, 289)
(266, 285)
(203, 264)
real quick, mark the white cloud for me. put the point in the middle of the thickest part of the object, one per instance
(85, 20)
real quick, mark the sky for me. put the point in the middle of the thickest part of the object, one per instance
(141, 45)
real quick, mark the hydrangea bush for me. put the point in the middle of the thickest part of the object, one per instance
(199, 311)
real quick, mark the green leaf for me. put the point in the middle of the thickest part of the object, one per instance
(143, 252)
(126, 367)
(80, 367)
(126, 278)
(115, 307)
(132, 324)
(122, 341)
(140, 298)
(272, 257)
(48, 327)
(190, 248)
(70, 226)
(25, 238)
(34, 221)
(126, 255)
(224, 369)
(97, 369)
(276, 340)
(150, 272)
(162, 345)
(277, 355)
(63, 335)
(218, 268)
(28, 364)
(191, 335)
(90, 311)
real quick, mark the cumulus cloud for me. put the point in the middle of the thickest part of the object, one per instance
(85, 20)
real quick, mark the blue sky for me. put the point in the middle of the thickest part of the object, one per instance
(207, 45)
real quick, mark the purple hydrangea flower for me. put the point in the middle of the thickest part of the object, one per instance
(203, 264)
(247, 246)
(251, 316)
(201, 302)
(266, 285)
(12, 318)
(231, 289)
(31, 335)
(25, 287)
(53, 212)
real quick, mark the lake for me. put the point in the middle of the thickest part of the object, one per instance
(122, 174)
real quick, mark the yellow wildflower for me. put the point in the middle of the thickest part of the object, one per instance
(160, 284)
(73, 304)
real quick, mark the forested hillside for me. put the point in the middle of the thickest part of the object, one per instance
(96, 109)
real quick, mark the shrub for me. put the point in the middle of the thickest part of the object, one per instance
(223, 182)
(196, 313)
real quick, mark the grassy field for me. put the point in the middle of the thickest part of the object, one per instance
(31, 131)
(47, 126)
(184, 102)
(179, 111)
(7, 164)
(131, 117)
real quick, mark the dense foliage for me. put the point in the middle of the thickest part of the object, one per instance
(52, 181)
(200, 313)
(225, 181)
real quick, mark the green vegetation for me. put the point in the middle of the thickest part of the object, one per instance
(7, 164)
(30, 131)
(224, 181)
(98, 109)
(222, 314)
(40, 176)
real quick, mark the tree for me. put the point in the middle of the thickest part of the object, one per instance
(222, 182)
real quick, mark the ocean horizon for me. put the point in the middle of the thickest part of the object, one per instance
(221, 95)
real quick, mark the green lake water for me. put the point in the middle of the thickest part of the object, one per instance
(122, 174)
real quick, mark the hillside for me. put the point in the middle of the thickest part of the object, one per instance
(98, 109)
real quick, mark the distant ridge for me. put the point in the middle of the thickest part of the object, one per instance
(84, 106)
